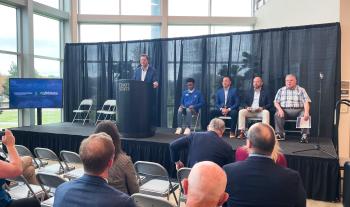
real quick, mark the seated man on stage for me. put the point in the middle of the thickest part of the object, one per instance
(191, 102)
(227, 103)
(145, 72)
(256, 104)
(291, 101)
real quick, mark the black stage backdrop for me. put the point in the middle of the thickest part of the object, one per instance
(91, 70)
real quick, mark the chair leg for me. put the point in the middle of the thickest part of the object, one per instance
(75, 114)
(87, 114)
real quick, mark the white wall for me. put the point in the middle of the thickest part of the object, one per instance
(284, 13)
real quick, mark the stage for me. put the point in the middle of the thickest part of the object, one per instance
(319, 171)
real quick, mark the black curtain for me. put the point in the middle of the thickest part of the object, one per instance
(92, 69)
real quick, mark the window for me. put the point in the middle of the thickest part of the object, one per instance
(140, 7)
(99, 32)
(228, 29)
(99, 7)
(187, 30)
(139, 32)
(8, 37)
(189, 7)
(46, 44)
(231, 8)
(47, 60)
(51, 3)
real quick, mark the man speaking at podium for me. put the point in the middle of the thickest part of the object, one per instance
(145, 72)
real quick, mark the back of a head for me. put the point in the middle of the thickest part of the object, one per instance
(95, 152)
(262, 138)
(206, 184)
(216, 125)
(111, 129)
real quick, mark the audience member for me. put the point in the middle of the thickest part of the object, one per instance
(205, 185)
(97, 154)
(258, 181)
(122, 174)
(203, 146)
(11, 169)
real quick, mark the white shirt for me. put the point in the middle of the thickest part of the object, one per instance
(256, 98)
(143, 73)
(226, 94)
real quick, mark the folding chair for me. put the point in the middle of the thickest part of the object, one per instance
(142, 200)
(52, 181)
(74, 174)
(156, 181)
(24, 151)
(47, 154)
(70, 157)
(197, 116)
(108, 109)
(25, 190)
(225, 118)
(181, 175)
(84, 108)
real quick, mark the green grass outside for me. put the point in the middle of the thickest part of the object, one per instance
(9, 118)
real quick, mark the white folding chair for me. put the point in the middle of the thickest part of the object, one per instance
(143, 200)
(83, 109)
(156, 181)
(107, 111)
(196, 116)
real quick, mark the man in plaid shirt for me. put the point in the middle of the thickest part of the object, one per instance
(291, 101)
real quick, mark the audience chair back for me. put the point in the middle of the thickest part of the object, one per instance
(346, 185)
(83, 109)
(24, 151)
(181, 175)
(69, 157)
(3, 153)
(107, 111)
(50, 180)
(156, 181)
(142, 200)
(47, 154)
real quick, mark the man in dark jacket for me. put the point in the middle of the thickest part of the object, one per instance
(203, 146)
(145, 72)
(256, 105)
(258, 180)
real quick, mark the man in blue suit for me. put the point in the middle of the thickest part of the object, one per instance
(258, 180)
(92, 189)
(191, 102)
(203, 146)
(227, 103)
(145, 72)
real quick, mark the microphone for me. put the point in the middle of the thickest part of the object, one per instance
(321, 75)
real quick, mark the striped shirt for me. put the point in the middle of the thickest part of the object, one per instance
(292, 98)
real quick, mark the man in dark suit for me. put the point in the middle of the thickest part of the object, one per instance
(92, 189)
(203, 146)
(145, 72)
(258, 180)
(227, 103)
(255, 105)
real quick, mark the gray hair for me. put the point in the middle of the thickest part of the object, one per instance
(216, 124)
(95, 152)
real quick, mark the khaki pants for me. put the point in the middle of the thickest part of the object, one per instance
(29, 170)
(244, 113)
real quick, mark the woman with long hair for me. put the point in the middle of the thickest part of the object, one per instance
(122, 174)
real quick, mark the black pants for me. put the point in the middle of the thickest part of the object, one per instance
(25, 202)
(233, 114)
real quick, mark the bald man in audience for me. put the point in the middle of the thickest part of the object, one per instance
(258, 180)
(205, 185)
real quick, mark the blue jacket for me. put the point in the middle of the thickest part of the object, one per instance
(264, 99)
(202, 146)
(151, 75)
(195, 99)
(5, 198)
(258, 181)
(232, 99)
(90, 191)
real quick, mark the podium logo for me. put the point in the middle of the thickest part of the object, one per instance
(124, 87)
